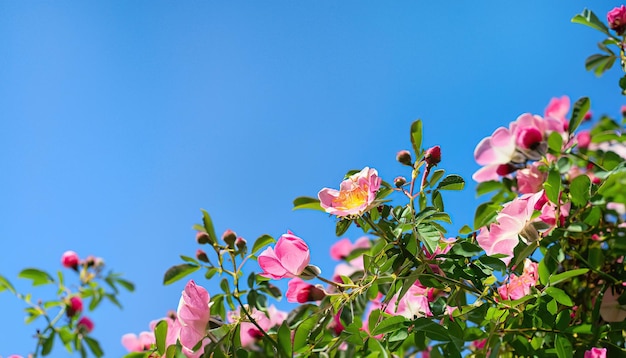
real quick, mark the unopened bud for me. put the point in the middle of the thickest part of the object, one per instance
(432, 156)
(74, 305)
(202, 237)
(85, 325)
(241, 243)
(310, 272)
(623, 110)
(229, 238)
(70, 259)
(399, 181)
(404, 157)
(201, 256)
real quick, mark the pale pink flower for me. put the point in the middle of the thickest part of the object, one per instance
(70, 259)
(302, 292)
(493, 152)
(173, 327)
(610, 309)
(618, 207)
(249, 332)
(413, 304)
(355, 195)
(558, 109)
(519, 286)
(617, 19)
(287, 259)
(512, 222)
(132, 343)
(596, 353)
(194, 314)
(344, 247)
(530, 179)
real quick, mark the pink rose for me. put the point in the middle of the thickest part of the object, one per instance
(302, 292)
(193, 314)
(432, 156)
(132, 343)
(596, 352)
(617, 19)
(249, 332)
(355, 195)
(85, 324)
(492, 153)
(558, 109)
(342, 248)
(530, 179)
(74, 306)
(519, 286)
(70, 259)
(288, 258)
(584, 139)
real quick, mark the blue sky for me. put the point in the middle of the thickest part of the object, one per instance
(119, 120)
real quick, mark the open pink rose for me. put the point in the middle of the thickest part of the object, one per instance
(596, 353)
(287, 259)
(193, 314)
(557, 109)
(530, 179)
(492, 153)
(249, 332)
(517, 287)
(355, 195)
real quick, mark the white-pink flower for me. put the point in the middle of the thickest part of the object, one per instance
(193, 314)
(494, 153)
(344, 247)
(530, 179)
(355, 195)
(132, 343)
(596, 352)
(287, 259)
(516, 287)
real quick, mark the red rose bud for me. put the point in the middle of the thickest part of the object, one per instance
(617, 19)
(229, 237)
(241, 243)
(70, 259)
(588, 116)
(404, 157)
(85, 325)
(201, 256)
(74, 305)
(505, 169)
(202, 237)
(399, 181)
(432, 156)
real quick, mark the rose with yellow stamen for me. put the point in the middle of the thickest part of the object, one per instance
(355, 195)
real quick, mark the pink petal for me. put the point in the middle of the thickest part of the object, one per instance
(271, 266)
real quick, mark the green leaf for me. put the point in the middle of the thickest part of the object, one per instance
(307, 202)
(599, 63)
(416, 137)
(553, 186)
(555, 142)
(47, 344)
(261, 242)
(160, 333)
(94, 346)
(566, 275)
(563, 347)
(429, 235)
(303, 331)
(466, 249)
(389, 324)
(487, 187)
(437, 200)
(342, 226)
(580, 190)
(177, 272)
(435, 176)
(208, 226)
(129, 286)
(451, 182)
(284, 339)
(485, 213)
(559, 295)
(6, 285)
(38, 277)
(588, 18)
(581, 107)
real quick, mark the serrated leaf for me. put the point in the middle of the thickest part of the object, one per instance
(177, 272)
(581, 107)
(389, 324)
(451, 182)
(261, 242)
(580, 190)
(559, 295)
(38, 277)
(554, 279)
(307, 202)
(416, 137)
(588, 18)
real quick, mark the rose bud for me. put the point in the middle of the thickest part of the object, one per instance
(399, 181)
(201, 256)
(404, 157)
(617, 19)
(302, 292)
(432, 156)
(74, 305)
(202, 237)
(85, 325)
(229, 238)
(241, 243)
(70, 259)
